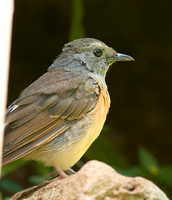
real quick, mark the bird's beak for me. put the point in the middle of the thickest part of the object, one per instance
(122, 57)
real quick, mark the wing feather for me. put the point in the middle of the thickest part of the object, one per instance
(37, 117)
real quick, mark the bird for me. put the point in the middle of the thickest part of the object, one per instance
(56, 118)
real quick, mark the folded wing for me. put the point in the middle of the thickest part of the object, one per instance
(36, 118)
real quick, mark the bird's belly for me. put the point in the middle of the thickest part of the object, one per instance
(74, 149)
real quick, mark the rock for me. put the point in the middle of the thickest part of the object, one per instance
(94, 181)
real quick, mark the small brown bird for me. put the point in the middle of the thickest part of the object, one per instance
(57, 117)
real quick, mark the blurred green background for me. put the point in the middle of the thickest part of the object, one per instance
(137, 137)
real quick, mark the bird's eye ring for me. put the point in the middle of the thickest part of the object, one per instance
(97, 52)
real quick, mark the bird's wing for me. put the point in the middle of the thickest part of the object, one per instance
(39, 115)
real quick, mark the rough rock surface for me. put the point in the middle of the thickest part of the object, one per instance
(94, 181)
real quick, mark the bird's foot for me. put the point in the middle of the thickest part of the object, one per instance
(56, 174)
(53, 176)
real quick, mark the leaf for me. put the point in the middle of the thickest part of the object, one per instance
(77, 28)
(10, 186)
(148, 161)
(132, 171)
(6, 198)
(103, 149)
(165, 175)
(36, 179)
(42, 169)
(10, 167)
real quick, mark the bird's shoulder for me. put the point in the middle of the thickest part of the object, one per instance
(63, 82)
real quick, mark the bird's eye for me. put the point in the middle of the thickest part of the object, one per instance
(97, 52)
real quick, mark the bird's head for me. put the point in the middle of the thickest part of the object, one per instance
(92, 54)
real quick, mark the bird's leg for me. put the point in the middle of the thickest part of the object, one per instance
(59, 172)
(70, 171)
(51, 175)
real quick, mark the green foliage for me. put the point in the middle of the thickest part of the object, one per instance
(148, 162)
(10, 167)
(36, 180)
(43, 172)
(5, 198)
(103, 149)
(77, 28)
(165, 175)
(10, 185)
